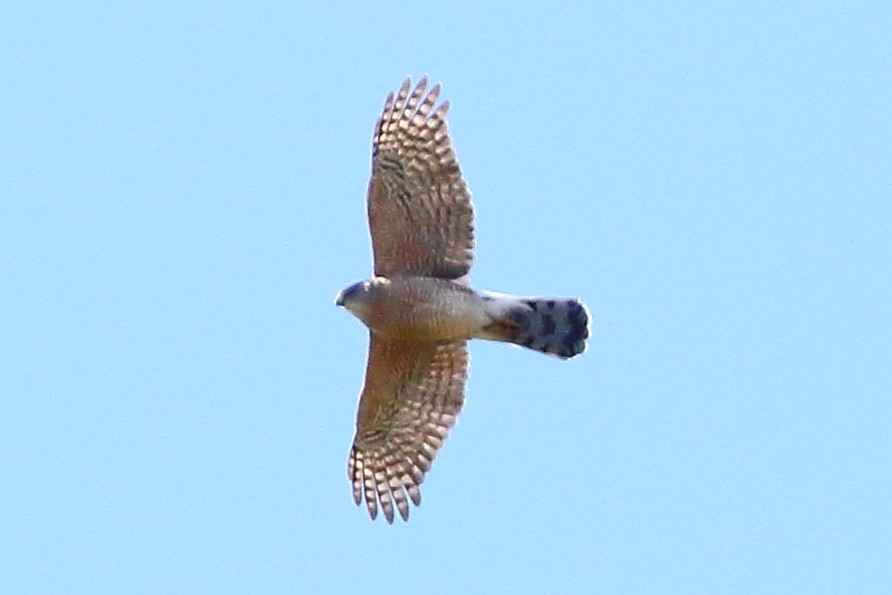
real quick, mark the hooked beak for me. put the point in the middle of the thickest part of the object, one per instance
(339, 300)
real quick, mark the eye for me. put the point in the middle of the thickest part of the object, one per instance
(352, 290)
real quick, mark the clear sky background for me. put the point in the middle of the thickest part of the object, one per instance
(182, 192)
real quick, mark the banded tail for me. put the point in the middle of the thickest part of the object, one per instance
(557, 326)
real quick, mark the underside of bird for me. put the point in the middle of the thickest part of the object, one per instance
(419, 308)
(411, 307)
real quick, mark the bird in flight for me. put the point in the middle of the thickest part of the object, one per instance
(420, 308)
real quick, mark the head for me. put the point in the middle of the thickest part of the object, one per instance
(356, 297)
(352, 293)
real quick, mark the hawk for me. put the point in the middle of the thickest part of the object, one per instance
(420, 308)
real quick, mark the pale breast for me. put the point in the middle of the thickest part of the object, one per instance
(426, 308)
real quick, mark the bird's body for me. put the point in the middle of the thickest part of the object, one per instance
(420, 309)
(416, 307)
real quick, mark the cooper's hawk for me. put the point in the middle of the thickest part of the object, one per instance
(419, 308)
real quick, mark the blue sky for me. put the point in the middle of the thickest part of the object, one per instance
(182, 193)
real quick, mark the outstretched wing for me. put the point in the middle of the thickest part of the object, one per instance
(413, 392)
(420, 212)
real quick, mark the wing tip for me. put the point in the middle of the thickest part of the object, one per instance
(370, 482)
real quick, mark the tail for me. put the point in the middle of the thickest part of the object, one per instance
(557, 326)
